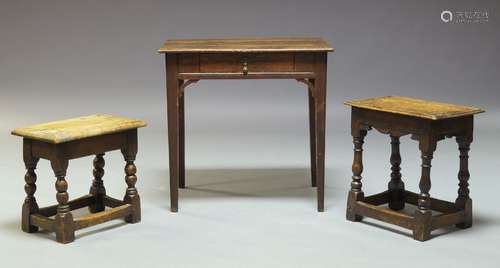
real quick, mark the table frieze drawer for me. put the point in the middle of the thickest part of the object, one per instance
(244, 62)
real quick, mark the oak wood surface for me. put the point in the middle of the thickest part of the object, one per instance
(246, 45)
(103, 216)
(77, 128)
(42, 222)
(415, 107)
(383, 214)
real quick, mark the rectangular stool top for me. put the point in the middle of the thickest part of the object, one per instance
(78, 128)
(414, 107)
(246, 45)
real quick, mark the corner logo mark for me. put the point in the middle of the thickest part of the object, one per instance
(465, 17)
(446, 16)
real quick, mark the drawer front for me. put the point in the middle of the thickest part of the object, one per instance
(279, 62)
(251, 62)
(236, 63)
(221, 63)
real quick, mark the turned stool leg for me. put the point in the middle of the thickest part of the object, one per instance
(97, 189)
(64, 225)
(423, 213)
(356, 194)
(396, 185)
(463, 200)
(29, 206)
(131, 194)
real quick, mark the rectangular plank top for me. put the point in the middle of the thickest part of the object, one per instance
(415, 107)
(77, 128)
(290, 44)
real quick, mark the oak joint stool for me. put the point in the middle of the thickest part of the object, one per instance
(427, 122)
(64, 140)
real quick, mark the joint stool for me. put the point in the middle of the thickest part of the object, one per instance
(61, 141)
(427, 122)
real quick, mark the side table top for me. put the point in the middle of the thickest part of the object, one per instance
(78, 128)
(415, 107)
(290, 44)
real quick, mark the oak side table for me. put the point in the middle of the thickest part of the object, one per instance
(427, 122)
(188, 61)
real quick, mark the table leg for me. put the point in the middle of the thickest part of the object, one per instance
(463, 200)
(97, 190)
(423, 214)
(63, 220)
(30, 205)
(319, 127)
(312, 136)
(182, 157)
(131, 195)
(356, 193)
(173, 118)
(396, 186)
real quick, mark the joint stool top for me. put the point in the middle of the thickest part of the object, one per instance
(414, 107)
(78, 128)
(246, 45)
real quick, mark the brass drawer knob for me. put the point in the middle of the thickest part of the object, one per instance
(245, 67)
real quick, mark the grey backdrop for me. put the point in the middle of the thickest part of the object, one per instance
(248, 203)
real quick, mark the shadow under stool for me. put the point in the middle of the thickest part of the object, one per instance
(61, 141)
(427, 122)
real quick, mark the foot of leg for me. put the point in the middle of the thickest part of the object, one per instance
(351, 202)
(27, 211)
(422, 229)
(64, 228)
(467, 217)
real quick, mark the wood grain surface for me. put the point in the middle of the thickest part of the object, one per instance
(78, 128)
(415, 107)
(246, 45)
